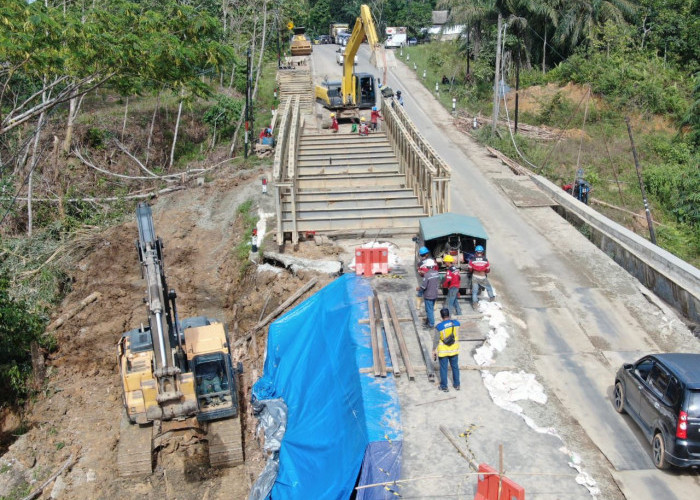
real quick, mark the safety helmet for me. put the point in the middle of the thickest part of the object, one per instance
(362, 119)
(398, 92)
(479, 249)
(374, 108)
(448, 259)
(423, 251)
(429, 263)
(332, 115)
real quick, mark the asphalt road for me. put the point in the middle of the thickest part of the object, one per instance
(572, 316)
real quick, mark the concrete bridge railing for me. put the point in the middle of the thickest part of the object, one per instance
(670, 278)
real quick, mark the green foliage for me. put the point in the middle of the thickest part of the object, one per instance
(320, 17)
(19, 327)
(223, 114)
(676, 181)
(557, 111)
(628, 80)
(97, 137)
(671, 30)
(682, 241)
(691, 120)
(133, 46)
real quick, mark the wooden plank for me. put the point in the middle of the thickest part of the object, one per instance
(402, 341)
(430, 369)
(476, 368)
(380, 340)
(372, 327)
(390, 343)
(400, 320)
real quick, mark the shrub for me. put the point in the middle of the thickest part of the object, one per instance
(223, 114)
(628, 79)
(19, 327)
(97, 137)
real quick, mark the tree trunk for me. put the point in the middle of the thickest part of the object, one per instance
(126, 112)
(233, 74)
(72, 113)
(33, 164)
(262, 50)
(177, 126)
(544, 49)
(224, 14)
(150, 132)
(497, 74)
(56, 181)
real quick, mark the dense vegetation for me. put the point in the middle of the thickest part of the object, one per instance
(105, 100)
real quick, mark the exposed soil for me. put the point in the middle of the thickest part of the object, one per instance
(79, 412)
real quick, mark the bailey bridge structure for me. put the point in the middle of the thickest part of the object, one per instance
(342, 184)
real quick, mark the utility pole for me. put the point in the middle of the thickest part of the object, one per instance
(517, 86)
(497, 75)
(248, 103)
(279, 50)
(650, 222)
(468, 55)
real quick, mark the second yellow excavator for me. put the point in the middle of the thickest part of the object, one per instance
(355, 90)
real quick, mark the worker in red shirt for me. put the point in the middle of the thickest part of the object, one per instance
(364, 129)
(479, 268)
(451, 282)
(334, 124)
(374, 118)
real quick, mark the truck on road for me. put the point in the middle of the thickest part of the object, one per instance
(395, 37)
(336, 29)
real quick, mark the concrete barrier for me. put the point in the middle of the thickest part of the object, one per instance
(672, 279)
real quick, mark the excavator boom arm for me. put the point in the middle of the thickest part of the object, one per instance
(364, 26)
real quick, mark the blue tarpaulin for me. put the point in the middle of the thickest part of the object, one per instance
(341, 424)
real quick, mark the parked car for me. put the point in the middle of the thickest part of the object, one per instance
(412, 41)
(661, 392)
(340, 56)
(325, 39)
(342, 38)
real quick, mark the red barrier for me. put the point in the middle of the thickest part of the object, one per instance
(371, 261)
(487, 488)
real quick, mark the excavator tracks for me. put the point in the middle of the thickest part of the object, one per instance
(225, 442)
(134, 453)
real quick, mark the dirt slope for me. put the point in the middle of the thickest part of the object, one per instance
(81, 408)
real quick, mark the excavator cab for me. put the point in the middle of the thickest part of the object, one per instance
(214, 387)
(367, 94)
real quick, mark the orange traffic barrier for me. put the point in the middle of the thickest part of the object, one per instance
(371, 261)
(487, 488)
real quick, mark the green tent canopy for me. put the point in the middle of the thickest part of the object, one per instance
(446, 224)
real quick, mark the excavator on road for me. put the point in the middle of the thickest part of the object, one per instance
(176, 374)
(356, 90)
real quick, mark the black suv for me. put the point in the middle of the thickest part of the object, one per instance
(661, 392)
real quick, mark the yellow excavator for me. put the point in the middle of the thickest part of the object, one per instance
(355, 90)
(175, 374)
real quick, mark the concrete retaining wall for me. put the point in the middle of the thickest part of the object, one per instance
(670, 278)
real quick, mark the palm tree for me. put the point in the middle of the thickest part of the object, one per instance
(475, 11)
(579, 17)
